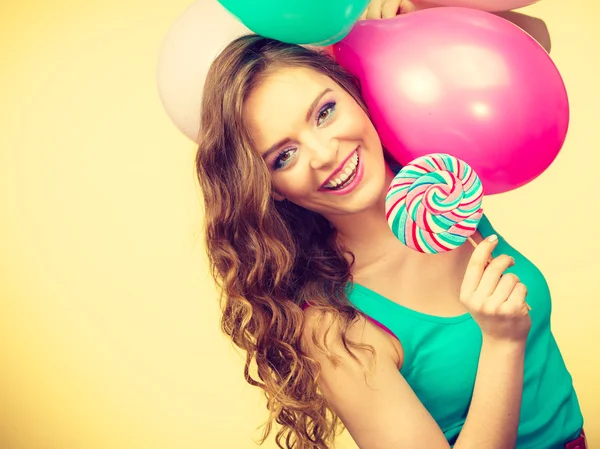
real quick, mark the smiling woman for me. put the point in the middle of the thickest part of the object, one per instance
(322, 137)
(343, 322)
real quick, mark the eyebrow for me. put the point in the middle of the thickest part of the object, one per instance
(309, 113)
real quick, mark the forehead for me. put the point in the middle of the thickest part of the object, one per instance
(280, 87)
(277, 106)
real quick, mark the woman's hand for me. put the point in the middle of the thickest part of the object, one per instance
(494, 299)
(384, 9)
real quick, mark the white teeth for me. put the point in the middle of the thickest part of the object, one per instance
(345, 173)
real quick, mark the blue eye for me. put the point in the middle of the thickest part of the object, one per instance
(284, 158)
(325, 113)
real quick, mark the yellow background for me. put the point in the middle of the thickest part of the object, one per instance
(109, 332)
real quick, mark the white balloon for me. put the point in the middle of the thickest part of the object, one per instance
(189, 48)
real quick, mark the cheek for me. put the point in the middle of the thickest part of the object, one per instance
(360, 122)
(294, 183)
(369, 132)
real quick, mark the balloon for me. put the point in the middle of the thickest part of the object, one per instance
(463, 82)
(484, 5)
(189, 47)
(318, 22)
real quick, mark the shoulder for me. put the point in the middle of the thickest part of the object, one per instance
(326, 327)
(374, 402)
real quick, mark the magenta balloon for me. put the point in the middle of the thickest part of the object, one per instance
(484, 5)
(463, 82)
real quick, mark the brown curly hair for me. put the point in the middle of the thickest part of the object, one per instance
(270, 257)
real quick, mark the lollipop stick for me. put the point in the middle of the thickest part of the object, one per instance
(489, 260)
(472, 242)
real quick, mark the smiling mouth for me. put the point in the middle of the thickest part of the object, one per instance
(344, 176)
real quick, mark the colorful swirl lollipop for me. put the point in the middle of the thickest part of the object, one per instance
(434, 203)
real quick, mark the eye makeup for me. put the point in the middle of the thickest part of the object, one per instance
(324, 115)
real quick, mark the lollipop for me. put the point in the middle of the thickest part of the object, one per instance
(434, 203)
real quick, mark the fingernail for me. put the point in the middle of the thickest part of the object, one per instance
(492, 238)
(512, 260)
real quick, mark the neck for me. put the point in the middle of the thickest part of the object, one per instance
(367, 234)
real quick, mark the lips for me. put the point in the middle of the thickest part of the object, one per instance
(339, 170)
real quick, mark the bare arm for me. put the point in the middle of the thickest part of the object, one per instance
(381, 411)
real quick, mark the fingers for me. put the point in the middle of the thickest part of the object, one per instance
(476, 268)
(516, 301)
(492, 274)
(374, 9)
(385, 9)
(504, 289)
(390, 8)
(406, 6)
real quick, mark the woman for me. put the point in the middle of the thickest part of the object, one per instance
(341, 320)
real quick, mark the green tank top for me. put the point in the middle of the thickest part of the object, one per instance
(441, 356)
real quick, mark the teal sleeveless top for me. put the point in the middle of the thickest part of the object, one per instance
(441, 356)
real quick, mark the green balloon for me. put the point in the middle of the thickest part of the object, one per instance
(317, 22)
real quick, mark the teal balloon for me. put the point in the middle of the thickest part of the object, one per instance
(316, 22)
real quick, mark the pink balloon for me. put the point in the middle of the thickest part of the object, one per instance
(463, 82)
(484, 5)
(189, 47)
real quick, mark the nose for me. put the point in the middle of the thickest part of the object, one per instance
(323, 154)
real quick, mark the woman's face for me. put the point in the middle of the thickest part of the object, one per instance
(320, 146)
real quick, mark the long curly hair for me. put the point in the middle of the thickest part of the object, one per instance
(270, 257)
